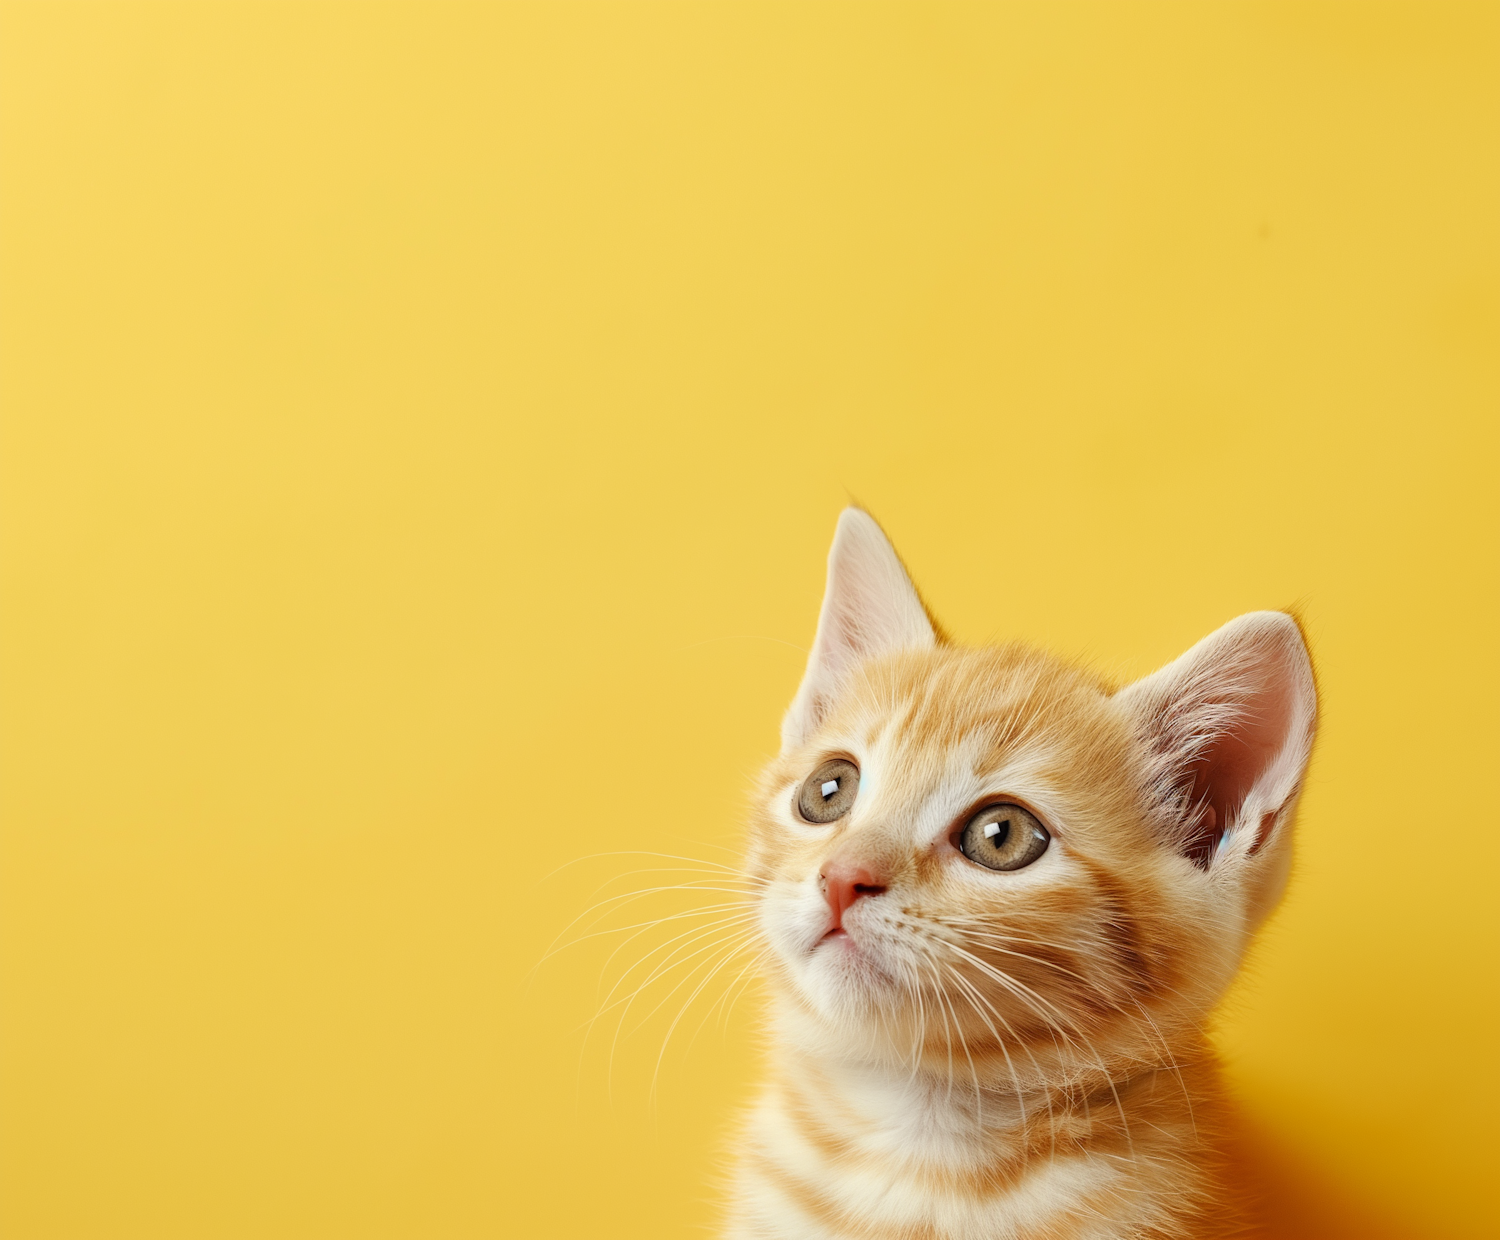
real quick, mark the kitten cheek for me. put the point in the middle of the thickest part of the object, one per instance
(793, 923)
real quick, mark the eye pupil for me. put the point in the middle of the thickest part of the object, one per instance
(992, 829)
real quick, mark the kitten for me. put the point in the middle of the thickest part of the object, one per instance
(1000, 898)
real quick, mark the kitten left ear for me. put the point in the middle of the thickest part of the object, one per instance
(1231, 723)
(870, 608)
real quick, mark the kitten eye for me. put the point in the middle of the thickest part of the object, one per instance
(829, 791)
(1004, 837)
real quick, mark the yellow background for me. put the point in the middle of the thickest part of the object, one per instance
(423, 427)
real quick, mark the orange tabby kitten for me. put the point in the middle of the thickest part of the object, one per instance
(1000, 898)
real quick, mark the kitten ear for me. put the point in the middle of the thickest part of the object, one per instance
(870, 608)
(1231, 723)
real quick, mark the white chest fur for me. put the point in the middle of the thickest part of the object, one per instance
(856, 1151)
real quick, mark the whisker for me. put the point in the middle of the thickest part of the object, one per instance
(692, 935)
(724, 1002)
(641, 925)
(658, 972)
(636, 852)
(726, 915)
(999, 1041)
(729, 955)
(629, 897)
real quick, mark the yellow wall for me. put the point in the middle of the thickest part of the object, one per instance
(423, 426)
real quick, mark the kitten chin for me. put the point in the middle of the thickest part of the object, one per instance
(1000, 899)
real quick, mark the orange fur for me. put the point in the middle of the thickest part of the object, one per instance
(983, 1053)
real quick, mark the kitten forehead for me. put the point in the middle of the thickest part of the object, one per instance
(992, 713)
(947, 695)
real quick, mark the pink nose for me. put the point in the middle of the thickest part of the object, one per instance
(843, 883)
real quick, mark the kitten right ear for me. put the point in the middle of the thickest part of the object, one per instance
(870, 608)
(1231, 724)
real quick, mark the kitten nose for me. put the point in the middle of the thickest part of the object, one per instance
(843, 883)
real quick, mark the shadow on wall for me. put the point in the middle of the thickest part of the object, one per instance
(1297, 1201)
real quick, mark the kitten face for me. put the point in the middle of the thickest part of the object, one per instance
(1078, 935)
(1146, 866)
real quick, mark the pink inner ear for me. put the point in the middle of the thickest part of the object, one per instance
(1233, 761)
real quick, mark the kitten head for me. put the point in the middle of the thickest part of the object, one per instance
(966, 851)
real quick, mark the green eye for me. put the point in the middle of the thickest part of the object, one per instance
(1003, 837)
(829, 791)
